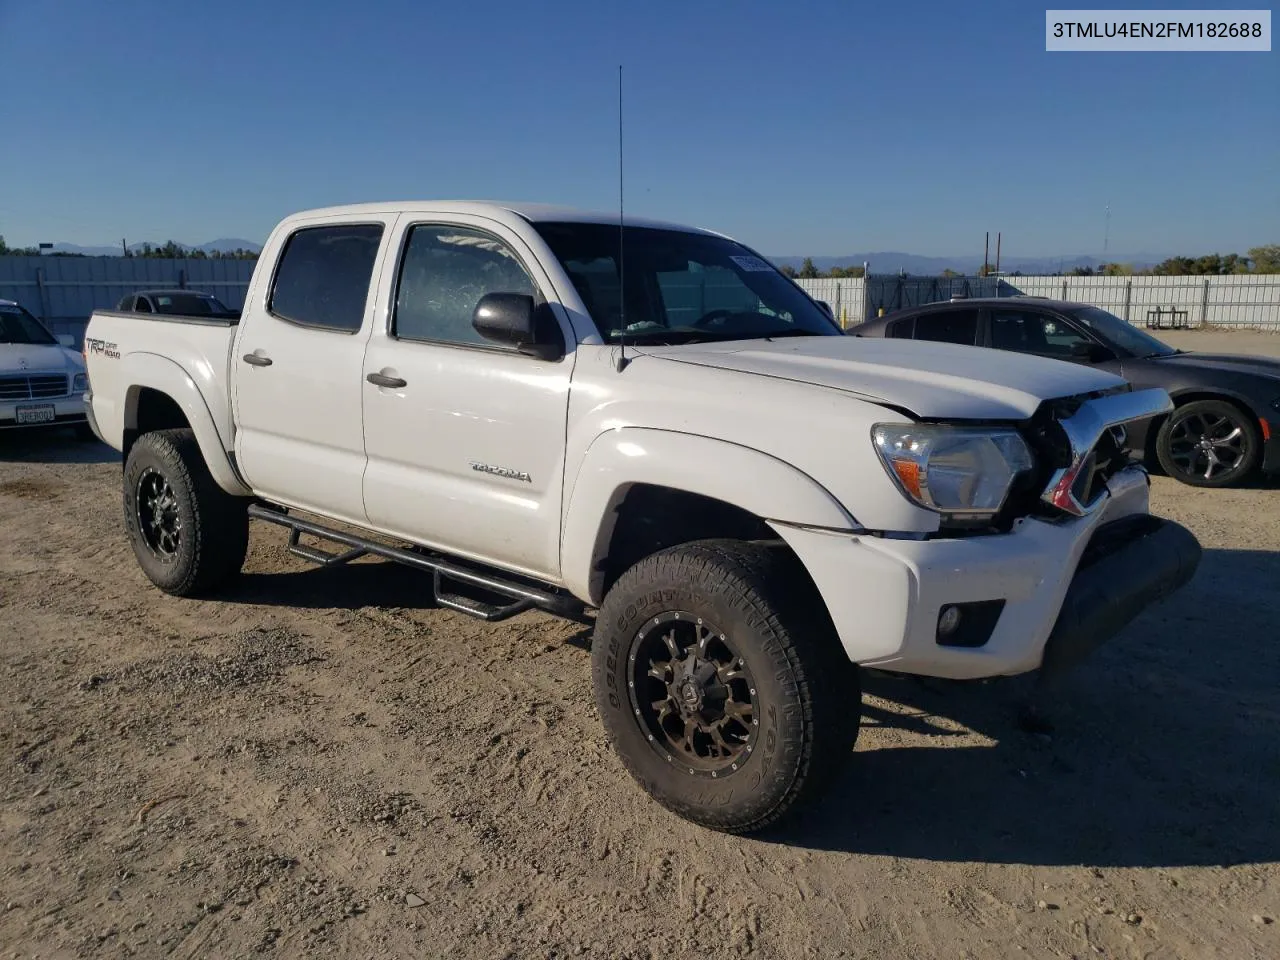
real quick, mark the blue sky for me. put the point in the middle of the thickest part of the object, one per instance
(801, 128)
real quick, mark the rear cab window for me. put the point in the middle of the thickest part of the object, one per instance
(323, 276)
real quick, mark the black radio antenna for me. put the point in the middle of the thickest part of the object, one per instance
(622, 260)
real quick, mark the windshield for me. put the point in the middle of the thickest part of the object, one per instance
(680, 287)
(188, 304)
(18, 326)
(1121, 334)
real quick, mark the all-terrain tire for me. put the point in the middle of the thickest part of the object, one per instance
(805, 698)
(1232, 437)
(212, 527)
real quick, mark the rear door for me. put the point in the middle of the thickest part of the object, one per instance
(465, 438)
(298, 365)
(950, 325)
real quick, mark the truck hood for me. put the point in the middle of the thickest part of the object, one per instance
(20, 358)
(930, 380)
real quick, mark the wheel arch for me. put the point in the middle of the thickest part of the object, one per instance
(639, 490)
(161, 395)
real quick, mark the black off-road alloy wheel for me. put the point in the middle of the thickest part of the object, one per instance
(188, 534)
(722, 683)
(1209, 443)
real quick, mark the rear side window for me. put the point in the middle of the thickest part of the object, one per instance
(323, 276)
(949, 326)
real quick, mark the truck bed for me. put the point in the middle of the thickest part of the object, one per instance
(198, 347)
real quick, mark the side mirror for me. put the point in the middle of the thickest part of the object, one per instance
(512, 320)
(826, 308)
(67, 340)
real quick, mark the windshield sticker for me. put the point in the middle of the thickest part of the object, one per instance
(752, 264)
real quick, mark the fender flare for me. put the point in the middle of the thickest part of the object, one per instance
(761, 484)
(154, 372)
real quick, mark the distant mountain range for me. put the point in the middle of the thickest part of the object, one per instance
(893, 262)
(224, 245)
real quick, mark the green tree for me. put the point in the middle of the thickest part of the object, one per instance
(8, 251)
(1117, 269)
(1080, 272)
(948, 272)
(1265, 259)
(789, 270)
(807, 270)
(839, 273)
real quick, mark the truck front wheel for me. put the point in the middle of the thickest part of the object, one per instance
(188, 534)
(721, 683)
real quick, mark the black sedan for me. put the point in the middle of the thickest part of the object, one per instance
(1226, 407)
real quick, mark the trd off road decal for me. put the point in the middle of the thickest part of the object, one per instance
(109, 350)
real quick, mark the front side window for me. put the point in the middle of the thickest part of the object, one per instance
(948, 326)
(681, 287)
(324, 274)
(18, 326)
(1026, 331)
(1122, 334)
(443, 274)
(143, 305)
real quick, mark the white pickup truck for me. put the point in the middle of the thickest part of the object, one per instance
(545, 409)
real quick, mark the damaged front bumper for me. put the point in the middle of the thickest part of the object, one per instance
(1128, 565)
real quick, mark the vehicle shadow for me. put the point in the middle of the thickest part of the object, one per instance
(53, 445)
(368, 583)
(1165, 749)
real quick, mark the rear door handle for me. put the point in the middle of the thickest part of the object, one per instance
(382, 380)
(256, 360)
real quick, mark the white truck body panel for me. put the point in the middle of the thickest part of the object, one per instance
(520, 463)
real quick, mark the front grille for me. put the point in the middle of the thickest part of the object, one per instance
(32, 388)
(1085, 444)
(1108, 456)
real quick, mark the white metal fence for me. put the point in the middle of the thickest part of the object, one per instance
(1249, 301)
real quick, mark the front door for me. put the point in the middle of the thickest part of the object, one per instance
(465, 439)
(297, 369)
(1041, 334)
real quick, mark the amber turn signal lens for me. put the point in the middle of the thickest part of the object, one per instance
(909, 476)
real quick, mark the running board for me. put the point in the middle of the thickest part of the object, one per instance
(520, 596)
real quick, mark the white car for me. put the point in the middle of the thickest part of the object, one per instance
(542, 408)
(42, 380)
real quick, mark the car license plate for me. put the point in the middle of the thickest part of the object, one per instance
(35, 413)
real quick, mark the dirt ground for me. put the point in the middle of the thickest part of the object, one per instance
(318, 764)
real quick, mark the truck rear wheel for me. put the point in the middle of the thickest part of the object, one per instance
(188, 534)
(722, 684)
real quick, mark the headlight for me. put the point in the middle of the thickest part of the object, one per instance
(963, 471)
(80, 383)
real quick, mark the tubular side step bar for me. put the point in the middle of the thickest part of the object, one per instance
(521, 596)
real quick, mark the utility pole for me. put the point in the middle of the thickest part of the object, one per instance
(1106, 232)
(986, 249)
(998, 253)
(124, 247)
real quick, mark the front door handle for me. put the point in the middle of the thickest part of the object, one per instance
(256, 360)
(382, 380)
